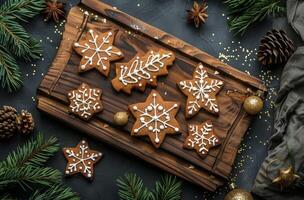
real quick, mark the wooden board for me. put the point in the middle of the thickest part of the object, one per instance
(134, 36)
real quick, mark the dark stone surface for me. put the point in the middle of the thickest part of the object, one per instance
(170, 16)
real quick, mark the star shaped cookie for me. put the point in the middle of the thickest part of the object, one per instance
(85, 101)
(97, 51)
(81, 159)
(201, 92)
(201, 138)
(155, 118)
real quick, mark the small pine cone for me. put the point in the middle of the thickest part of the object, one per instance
(25, 123)
(275, 48)
(8, 126)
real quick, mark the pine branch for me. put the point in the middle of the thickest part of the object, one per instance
(19, 42)
(34, 153)
(56, 192)
(23, 171)
(167, 189)
(244, 14)
(10, 76)
(35, 48)
(7, 197)
(28, 177)
(131, 187)
(16, 40)
(238, 6)
(22, 9)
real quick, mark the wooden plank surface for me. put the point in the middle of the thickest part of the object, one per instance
(134, 36)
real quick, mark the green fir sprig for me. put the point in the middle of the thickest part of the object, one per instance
(23, 174)
(10, 75)
(15, 42)
(131, 187)
(245, 13)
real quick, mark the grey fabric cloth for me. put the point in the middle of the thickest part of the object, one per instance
(295, 16)
(287, 143)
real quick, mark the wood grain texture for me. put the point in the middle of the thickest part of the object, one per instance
(133, 37)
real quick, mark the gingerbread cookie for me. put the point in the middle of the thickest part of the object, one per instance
(85, 101)
(81, 159)
(201, 138)
(142, 70)
(201, 92)
(155, 118)
(97, 51)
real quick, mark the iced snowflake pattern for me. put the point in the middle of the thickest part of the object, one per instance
(81, 159)
(201, 92)
(201, 138)
(156, 118)
(97, 53)
(85, 101)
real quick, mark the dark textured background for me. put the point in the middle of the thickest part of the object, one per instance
(170, 16)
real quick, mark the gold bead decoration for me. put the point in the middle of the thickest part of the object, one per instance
(253, 105)
(238, 194)
(121, 118)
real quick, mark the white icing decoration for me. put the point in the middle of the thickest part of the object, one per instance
(142, 69)
(200, 89)
(155, 119)
(82, 160)
(99, 51)
(202, 137)
(82, 101)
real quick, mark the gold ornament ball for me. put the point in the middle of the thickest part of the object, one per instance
(253, 105)
(238, 194)
(121, 118)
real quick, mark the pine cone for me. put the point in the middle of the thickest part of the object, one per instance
(25, 123)
(8, 126)
(275, 48)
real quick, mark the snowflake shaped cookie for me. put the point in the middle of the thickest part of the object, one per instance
(85, 101)
(155, 118)
(81, 159)
(142, 70)
(201, 138)
(97, 51)
(201, 92)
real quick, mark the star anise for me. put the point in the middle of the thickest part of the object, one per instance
(54, 10)
(198, 13)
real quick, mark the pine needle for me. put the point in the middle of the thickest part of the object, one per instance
(28, 177)
(168, 188)
(23, 170)
(7, 197)
(34, 153)
(10, 76)
(243, 13)
(22, 9)
(16, 39)
(56, 192)
(131, 187)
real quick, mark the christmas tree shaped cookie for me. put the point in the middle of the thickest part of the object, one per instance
(142, 70)
(201, 92)
(97, 51)
(155, 118)
(81, 159)
(201, 138)
(85, 101)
